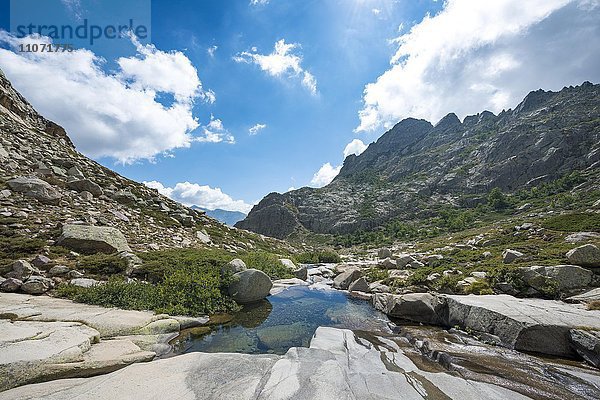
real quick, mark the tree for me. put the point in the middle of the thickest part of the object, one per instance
(497, 200)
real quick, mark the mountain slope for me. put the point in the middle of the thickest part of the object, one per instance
(70, 188)
(416, 166)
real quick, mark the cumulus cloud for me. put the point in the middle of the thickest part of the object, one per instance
(473, 56)
(325, 175)
(215, 132)
(114, 114)
(211, 50)
(355, 147)
(200, 195)
(259, 2)
(283, 62)
(256, 128)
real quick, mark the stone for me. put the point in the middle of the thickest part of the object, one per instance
(74, 171)
(287, 263)
(567, 277)
(587, 345)
(37, 285)
(86, 196)
(22, 270)
(400, 274)
(249, 286)
(433, 277)
(301, 272)
(417, 307)
(83, 282)
(74, 274)
(415, 265)
(587, 255)
(582, 237)
(343, 280)
(165, 325)
(403, 260)
(85, 185)
(479, 274)
(92, 239)
(487, 254)
(234, 266)
(35, 188)
(388, 263)
(58, 270)
(41, 261)
(10, 285)
(384, 253)
(464, 284)
(378, 287)
(359, 285)
(509, 256)
(589, 296)
(203, 237)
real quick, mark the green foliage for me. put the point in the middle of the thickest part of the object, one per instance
(479, 287)
(455, 219)
(102, 264)
(316, 257)
(574, 222)
(377, 274)
(268, 263)
(546, 189)
(498, 200)
(419, 277)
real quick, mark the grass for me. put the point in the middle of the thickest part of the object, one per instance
(102, 264)
(574, 222)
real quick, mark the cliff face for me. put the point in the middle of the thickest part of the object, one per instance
(416, 165)
(46, 182)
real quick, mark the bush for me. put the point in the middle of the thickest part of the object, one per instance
(376, 274)
(497, 200)
(268, 263)
(316, 257)
(102, 264)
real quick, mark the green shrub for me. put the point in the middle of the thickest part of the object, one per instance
(498, 200)
(574, 222)
(268, 263)
(479, 287)
(377, 274)
(102, 264)
(316, 257)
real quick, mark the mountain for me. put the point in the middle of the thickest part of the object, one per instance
(416, 168)
(46, 183)
(227, 217)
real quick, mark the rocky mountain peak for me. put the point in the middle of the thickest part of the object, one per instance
(450, 121)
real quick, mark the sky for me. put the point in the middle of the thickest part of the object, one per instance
(218, 103)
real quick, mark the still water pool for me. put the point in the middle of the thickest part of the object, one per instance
(287, 319)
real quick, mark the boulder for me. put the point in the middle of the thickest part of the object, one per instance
(86, 196)
(92, 239)
(59, 270)
(587, 255)
(85, 185)
(388, 263)
(234, 266)
(343, 280)
(84, 282)
(417, 307)
(384, 253)
(21, 270)
(587, 345)
(567, 277)
(592, 295)
(203, 237)
(35, 188)
(10, 285)
(378, 287)
(509, 256)
(249, 286)
(582, 237)
(300, 272)
(37, 285)
(288, 263)
(359, 285)
(403, 260)
(41, 261)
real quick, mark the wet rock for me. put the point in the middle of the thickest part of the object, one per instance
(10, 285)
(417, 307)
(509, 256)
(359, 285)
(35, 188)
(587, 255)
(93, 239)
(587, 345)
(249, 286)
(37, 285)
(301, 272)
(85, 185)
(384, 253)
(343, 280)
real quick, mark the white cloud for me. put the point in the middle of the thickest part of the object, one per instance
(211, 50)
(200, 195)
(376, 11)
(215, 132)
(282, 62)
(256, 128)
(259, 2)
(110, 114)
(484, 55)
(355, 147)
(325, 175)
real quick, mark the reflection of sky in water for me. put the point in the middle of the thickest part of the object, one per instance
(286, 320)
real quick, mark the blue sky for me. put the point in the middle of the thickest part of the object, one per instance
(346, 70)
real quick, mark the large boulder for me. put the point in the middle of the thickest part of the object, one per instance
(37, 285)
(566, 277)
(10, 285)
(384, 253)
(35, 188)
(587, 345)
(85, 185)
(509, 256)
(234, 266)
(300, 272)
(93, 239)
(343, 280)
(250, 286)
(417, 307)
(21, 270)
(587, 255)
(359, 285)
